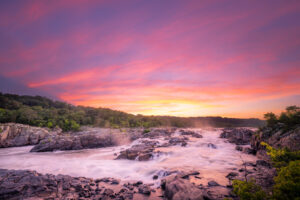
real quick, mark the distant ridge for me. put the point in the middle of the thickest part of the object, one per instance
(44, 112)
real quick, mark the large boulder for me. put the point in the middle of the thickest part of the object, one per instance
(140, 152)
(177, 188)
(14, 135)
(238, 136)
(74, 141)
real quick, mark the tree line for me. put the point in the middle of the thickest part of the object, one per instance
(44, 112)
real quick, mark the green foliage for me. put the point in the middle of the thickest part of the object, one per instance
(248, 190)
(287, 120)
(271, 119)
(287, 183)
(146, 131)
(281, 157)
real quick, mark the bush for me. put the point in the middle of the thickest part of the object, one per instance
(248, 190)
(146, 131)
(288, 182)
(281, 157)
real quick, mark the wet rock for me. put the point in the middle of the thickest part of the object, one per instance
(145, 157)
(74, 141)
(213, 183)
(158, 132)
(111, 181)
(190, 133)
(25, 184)
(176, 188)
(138, 183)
(178, 141)
(231, 175)
(210, 145)
(238, 136)
(186, 175)
(144, 189)
(141, 152)
(249, 150)
(239, 148)
(163, 173)
(14, 135)
(155, 177)
(219, 193)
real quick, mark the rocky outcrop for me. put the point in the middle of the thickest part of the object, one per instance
(177, 188)
(25, 184)
(140, 152)
(246, 149)
(277, 138)
(158, 132)
(190, 133)
(74, 141)
(238, 136)
(14, 135)
(260, 171)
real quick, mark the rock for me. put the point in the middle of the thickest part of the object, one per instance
(263, 163)
(159, 132)
(111, 181)
(155, 177)
(176, 188)
(231, 175)
(14, 135)
(144, 189)
(248, 150)
(239, 148)
(138, 183)
(210, 145)
(238, 136)
(177, 140)
(277, 138)
(186, 175)
(145, 157)
(25, 184)
(74, 141)
(190, 133)
(140, 152)
(213, 183)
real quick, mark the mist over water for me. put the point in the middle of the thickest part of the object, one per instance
(212, 163)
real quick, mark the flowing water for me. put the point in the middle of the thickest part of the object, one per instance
(212, 163)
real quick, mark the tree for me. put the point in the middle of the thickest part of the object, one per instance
(271, 119)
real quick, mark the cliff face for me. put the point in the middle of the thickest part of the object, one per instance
(14, 135)
(277, 138)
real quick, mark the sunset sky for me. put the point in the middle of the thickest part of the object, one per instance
(155, 57)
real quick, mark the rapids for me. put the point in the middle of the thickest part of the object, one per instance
(212, 163)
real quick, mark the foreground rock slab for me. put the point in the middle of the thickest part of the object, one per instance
(177, 188)
(25, 184)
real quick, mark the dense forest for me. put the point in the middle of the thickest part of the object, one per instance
(44, 112)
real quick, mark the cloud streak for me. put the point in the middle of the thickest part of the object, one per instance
(190, 58)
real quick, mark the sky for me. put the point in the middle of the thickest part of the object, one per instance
(171, 57)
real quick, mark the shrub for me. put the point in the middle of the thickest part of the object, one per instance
(288, 182)
(248, 190)
(281, 157)
(146, 131)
